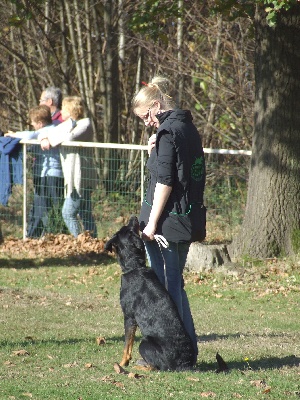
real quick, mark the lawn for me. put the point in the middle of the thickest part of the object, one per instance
(62, 332)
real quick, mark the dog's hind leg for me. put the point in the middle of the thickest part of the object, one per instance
(152, 353)
(129, 340)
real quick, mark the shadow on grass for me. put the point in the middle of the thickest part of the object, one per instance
(82, 260)
(262, 363)
(254, 365)
(215, 337)
(64, 342)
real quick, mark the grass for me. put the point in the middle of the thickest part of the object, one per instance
(51, 317)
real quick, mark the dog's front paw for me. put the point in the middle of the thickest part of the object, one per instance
(124, 362)
(118, 369)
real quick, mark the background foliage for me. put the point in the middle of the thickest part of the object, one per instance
(102, 50)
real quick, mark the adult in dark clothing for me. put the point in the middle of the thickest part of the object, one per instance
(52, 97)
(173, 205)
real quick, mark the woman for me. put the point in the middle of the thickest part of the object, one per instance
(77, 164)
(173, 205)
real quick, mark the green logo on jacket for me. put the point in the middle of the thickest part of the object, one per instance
(197, 170)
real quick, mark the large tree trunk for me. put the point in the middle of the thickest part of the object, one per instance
(272, 216)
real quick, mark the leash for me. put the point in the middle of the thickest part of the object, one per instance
(162, 241)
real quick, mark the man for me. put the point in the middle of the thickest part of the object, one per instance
(47, 173)
(52, 97)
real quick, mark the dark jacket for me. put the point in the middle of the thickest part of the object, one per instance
(177, 161)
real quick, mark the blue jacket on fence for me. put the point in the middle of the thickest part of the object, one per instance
(11, 166)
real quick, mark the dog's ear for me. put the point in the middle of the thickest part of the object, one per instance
(108, 246)
(134, 224)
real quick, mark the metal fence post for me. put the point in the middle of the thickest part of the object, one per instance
(24, 189)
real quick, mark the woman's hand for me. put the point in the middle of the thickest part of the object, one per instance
(161, 195)
(10, 134)
(45, 144)
(149, 231)
(151, 143)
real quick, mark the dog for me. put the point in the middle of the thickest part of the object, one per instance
(146, 304)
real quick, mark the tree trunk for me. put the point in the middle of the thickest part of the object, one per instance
(213, 93)
(272, 216)
(180, 85)
(112, 71)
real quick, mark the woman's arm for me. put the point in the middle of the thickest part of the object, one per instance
(161, 195)
(56, 135)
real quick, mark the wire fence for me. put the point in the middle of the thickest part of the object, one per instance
(111, 180)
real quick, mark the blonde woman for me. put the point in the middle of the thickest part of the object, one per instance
(77, 164)
(173, 205)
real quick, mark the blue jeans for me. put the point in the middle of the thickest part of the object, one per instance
(48, 194)
(168, 264)
(82, 206)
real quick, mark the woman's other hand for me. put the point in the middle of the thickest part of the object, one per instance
(151, 143)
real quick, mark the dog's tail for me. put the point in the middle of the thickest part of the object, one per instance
(222, 366)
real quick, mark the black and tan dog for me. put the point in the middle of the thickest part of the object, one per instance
(146, 304)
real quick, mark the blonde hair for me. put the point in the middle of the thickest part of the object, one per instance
(156, 90)
(74, 105)
(41, 114)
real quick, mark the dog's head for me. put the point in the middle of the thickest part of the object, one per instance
(128, 245)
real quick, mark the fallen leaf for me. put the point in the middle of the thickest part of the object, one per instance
(20, 353)
(100, 340)
(9, 363)
(70, 365)
(258, 383)
(119, 369)
(106, 378)
(131, 375)
(267, 390)
(119, 385)
(208, 394)
(189, 378)
(88, 365)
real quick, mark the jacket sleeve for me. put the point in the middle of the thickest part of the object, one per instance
(166, 159)
(58, 134)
